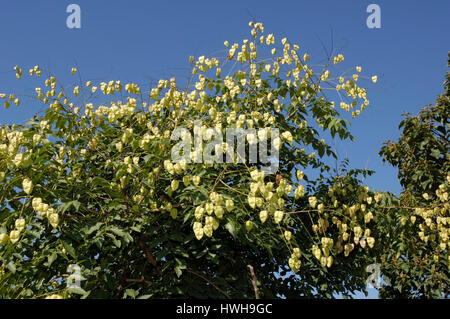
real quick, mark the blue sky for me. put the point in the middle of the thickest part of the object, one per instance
(141, 41)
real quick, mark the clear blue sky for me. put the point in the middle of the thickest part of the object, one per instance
(141, 41)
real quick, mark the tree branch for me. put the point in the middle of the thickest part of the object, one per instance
(208, 281)
(142, 280)
(151, 259)
(254, 281)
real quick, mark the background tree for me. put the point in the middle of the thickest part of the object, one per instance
(96, 186)
(415, 256)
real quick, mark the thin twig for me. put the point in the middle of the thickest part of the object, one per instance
(142, 280)
(254, 281)
(208, 281)
(149, 256)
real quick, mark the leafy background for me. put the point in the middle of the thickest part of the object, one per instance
(143, 41)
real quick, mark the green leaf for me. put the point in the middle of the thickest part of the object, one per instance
(12, 267)
(178, 271)
(69, 249)
(118, 232)
(76, 290)
(86, 295)
(132, 293)
(117, 242)
(51, 259)
(435, 153)
(76, 204)
(231, 229)
(94, 228)
(98, 181)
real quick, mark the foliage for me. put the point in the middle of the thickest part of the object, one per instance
(96, 185)
(415, 257)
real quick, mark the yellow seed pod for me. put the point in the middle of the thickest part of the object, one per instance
(186, 180)
(403, 221)
(218, 211)
(173, 213)
(119, 146)
(312, 201)
(229, 205)
(4, 238)
(198, 214)
(249, 225)
(263, 216)
(329, 261)
(20, 224)
(299, 192)
(320, 208)
(209, 220)
(196, 180)
(208, 230)
(215, 223)
(316, 251)
(323, 261)
(371, 242)
(254, 187)
(288, 235)
(27, 186)
(174, 184)
(14, 236)
(294, 264)
(53, 218)
(291, 263)
(296, 253)
(251, 201)
(259, 201)
(209, 207)
(198, 230)
(362, 243)
(358, 231)
(278, 216)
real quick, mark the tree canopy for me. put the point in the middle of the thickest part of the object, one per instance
(416, 256)
(95, 187)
